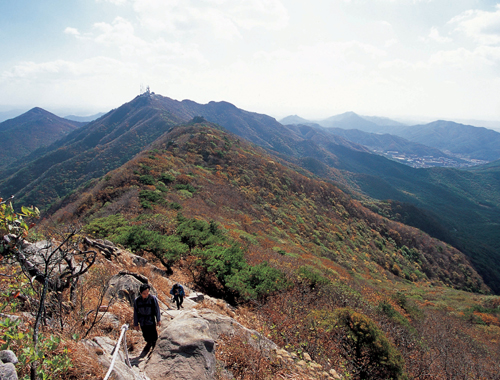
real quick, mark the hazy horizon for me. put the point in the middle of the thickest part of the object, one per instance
(6, 114)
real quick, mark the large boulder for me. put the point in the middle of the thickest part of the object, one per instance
(125, 285)
(7, 368)
(8, 356)
(8, 372)
(185, 351)
(185, 348)
(223, 325)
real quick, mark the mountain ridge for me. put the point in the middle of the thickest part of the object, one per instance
(231, 166)
(114, 139)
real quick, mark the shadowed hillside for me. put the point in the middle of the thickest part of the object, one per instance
(36, 128)
(88, 152)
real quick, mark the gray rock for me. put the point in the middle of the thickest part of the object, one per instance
(109, 319)
(103, 346)
(138, 260)
(8, 372)
(8, 356)
(184, 351)
(224, 325)
(196, 297)
(125, 286)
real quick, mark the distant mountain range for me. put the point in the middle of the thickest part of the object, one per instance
(459, 140)
(6, 115)
(24, 134)
(461, 206)
(386, 142)
(84, 119)
(466, 140)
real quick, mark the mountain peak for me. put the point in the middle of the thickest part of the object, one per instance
(38, 111)
(294, 119)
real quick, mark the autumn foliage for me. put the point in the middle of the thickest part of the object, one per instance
(339, 266)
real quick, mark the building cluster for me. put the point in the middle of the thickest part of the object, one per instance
(417, 161)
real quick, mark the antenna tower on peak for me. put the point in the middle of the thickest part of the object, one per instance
(145, 91)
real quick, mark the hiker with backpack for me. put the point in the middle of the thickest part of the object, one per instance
(177, 292)
(147, 315)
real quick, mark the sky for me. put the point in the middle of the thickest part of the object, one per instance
(315, 58)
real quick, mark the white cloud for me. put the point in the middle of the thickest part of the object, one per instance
(116, 2)
(436, 36)
(474, 61)
(72, 31)
(96, 83)
(481, 26)
(223, 18)
(121, 35)
(59, 70)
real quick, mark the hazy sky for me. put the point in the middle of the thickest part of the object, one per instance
(316, 58)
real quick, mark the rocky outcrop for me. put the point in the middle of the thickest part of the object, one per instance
(7, 368)
(125, 285)
(185, 350)
(186, 347)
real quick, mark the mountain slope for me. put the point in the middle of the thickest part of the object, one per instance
(349, 120)
(84, 119)
(29, 131)
(215, 175)
(294, 119)
(465, 203)
(337, 255)
(89, 152)
(114, 138)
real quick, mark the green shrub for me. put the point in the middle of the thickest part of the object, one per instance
(53, 362)
(147, 179)
(167, 248)
(104, 227)
(198, 233)
(237, 277)
(167, 178)
(311, 276)
(175, 206)
(187, 187)
(366, 349)
(151, 196)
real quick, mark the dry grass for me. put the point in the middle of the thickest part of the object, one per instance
(244, 361)
(85, 363)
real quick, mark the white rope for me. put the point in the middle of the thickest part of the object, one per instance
(125, 348)
(124, 328)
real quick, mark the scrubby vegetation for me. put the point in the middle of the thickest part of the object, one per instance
(320, 274)
(218, 264)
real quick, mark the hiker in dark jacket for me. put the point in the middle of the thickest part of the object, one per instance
(147, 315)
(177, 292)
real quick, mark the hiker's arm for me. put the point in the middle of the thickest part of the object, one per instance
(158, 311)
(136, 317)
